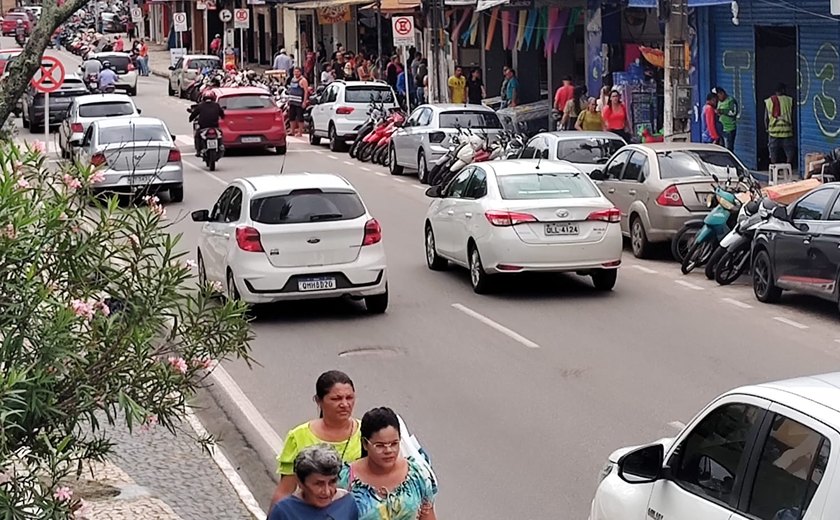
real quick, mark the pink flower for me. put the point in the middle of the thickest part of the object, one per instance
(178, 364)
(71, 182)
(63, 494)
(151, 422)
(9, 232)
(190, 264)
(103, 308)
(151, 200)
(217, 286)
(135, 241)
(82, 308)
(206, 363)
(23, 184)
(39, 146)
(97, 177)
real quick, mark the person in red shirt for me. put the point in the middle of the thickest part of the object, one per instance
(615, 117)
(562, 97)
(216, 45)
(119, 44)
(710, 120)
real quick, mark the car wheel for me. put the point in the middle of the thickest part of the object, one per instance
(434, 261)
(202, 269)
(395, 168)
(280, 150)
(714, 260)
(378, 303)
(764, 286)
(638, 238)
(176, 193)
(422, 169)
(232, 291)
(314, 140)
(698, 255)
(169, 89)
(480, 280)
(336, 144)
(604, 279)
(682, 242)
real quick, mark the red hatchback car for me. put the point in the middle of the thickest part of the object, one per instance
(252, 119)
(10, 23)
(6, 56)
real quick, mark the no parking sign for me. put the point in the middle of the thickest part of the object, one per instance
(403, 30)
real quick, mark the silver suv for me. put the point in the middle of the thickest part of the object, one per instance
(342, 109)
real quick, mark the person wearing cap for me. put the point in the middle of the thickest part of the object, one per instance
(216, 44)
(107, 77)
(283, 62)
(727, 109)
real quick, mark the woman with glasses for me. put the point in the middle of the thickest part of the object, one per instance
(335, 396)
(384, 484)
(317, 496)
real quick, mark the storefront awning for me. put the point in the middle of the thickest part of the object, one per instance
(651, 4)
(317, 4)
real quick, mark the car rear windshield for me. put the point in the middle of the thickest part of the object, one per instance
(118, 63)
(307, 206)
(106, 109)
(246, 102)
(203, 63)
(468, 119)
(368, 94)
(691, 163)
(588, 151)
(70, 88)
(132, 134)
(15, 16)
(546, 186)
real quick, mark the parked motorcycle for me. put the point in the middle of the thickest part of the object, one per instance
(736, 247)
(385, 128)
(376, 114)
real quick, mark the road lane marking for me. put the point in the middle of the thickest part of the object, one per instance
(202, 170)
(497, 326)
(365, 169)
(399, 180)
(348, 163)
(645, 269)
(792, 323)
(333, 157)
(380, 174)
(736, 303)
(689, 285)
(319, 151)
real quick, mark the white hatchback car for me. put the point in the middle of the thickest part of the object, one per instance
(86, 109)
(517, 216)
(121, 64)
(343, 108)
(766, 452)
(291, 237)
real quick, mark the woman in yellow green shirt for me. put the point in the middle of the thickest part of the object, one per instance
(590, 120)
(335, 395)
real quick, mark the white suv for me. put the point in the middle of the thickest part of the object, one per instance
(293, 237)
(121, 64)
(343, 108)
(766, 452)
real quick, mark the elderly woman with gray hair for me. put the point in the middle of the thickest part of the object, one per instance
(317, 496)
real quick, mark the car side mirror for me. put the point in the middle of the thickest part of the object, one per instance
(201, 215)
(780, 212)
(174, 138)
(642, 465)
(75, 142)
(172, 67)
(314, 99)
(139, 110)
(598, 175)
(435, 192)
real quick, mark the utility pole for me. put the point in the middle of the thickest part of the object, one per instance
(675, 15)
(381, 65)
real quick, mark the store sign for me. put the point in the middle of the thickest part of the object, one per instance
(334, 14)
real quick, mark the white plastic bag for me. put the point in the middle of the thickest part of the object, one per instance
(410, 447)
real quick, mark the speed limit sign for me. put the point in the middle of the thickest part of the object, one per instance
(225, 15)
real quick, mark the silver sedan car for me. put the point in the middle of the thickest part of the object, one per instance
(587, 151)
(86, 109)
(134, 155)
(424, 137)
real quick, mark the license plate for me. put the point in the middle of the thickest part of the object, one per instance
(251, 139)
(562, 229)
(320, 284)
(212, 144)
(141, 179)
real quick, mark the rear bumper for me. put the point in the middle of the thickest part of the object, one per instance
(171, 174)
(57, 115)
(664, 225)
(273, 137)
(347, 128)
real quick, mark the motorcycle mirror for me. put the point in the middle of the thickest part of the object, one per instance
(715, 177)
(780, 212)
(597, 175)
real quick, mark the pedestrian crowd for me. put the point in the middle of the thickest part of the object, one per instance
(343, 468)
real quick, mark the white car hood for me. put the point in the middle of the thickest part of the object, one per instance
(617, 454)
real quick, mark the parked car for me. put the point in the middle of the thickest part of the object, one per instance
(86, 109)
(342, 108)
(186, 69)
(588, 151)
(121, 64)
(35, 10)
(425, 136)
(293, 237)
(659, 187)
(135, 154)
(112, 23)
(503, 217)
(799, 249)
(252, 119)
(32, 103)
(6, 56)
(768, 452)
(10, 23)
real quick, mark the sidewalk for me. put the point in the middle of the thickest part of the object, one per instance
(153, 475)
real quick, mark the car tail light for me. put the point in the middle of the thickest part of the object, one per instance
(174, 155)
(130, 67)
(248, 239)
(77, 128)
(670, 197)
(373, 233)
(98, 159)
(508, 218)
(343, 111)
(608, 215)
(437, 137)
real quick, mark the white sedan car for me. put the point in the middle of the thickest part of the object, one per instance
(292, 237)
(525, 215)
(86, 109)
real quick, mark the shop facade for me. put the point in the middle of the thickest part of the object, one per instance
(751, 46)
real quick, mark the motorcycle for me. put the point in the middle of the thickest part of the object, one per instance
(20, 39)
(375, 115)
(92, 82)
(736, 247)
(440, 172)
(211, 150)
(381, 154)
(371, 141)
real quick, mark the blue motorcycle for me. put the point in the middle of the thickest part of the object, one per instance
(723, 203)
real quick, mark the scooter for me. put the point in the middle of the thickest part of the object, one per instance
(382, 151)
(212, 148)
(736, 247)
(372, 140)
(92, 82)
(375, 115)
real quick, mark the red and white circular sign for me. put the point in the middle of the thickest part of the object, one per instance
(403, 25)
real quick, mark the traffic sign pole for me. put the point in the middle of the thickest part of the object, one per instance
(47, 120)
(405, 79)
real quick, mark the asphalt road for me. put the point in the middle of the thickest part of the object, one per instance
(519, 396)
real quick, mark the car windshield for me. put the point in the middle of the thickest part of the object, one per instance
(548, 185)
(203, 63)
(106, 109)
(16, 16)
(246, 102)
(132, 134)
(70, 88)
(693, 163)
(313, 205)
(469, 119)
(368, 94)
(118, 63)
(588, 151)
